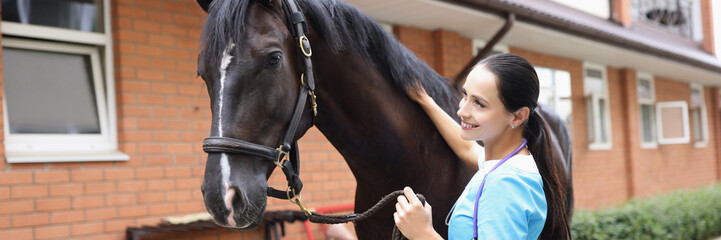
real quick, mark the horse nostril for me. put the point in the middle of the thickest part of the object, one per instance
(233, 202)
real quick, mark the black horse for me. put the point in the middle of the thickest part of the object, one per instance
(250, 63)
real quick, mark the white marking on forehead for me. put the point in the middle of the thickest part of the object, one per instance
(224, 62)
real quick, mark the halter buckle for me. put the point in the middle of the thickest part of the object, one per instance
(313, 102)
(282, 155)
(296, 200)
(302, 43)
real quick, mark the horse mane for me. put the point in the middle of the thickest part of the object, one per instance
(345, 28)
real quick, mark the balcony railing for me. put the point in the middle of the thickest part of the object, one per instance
(679, 16)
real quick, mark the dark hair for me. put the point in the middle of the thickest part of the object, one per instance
(518, 87)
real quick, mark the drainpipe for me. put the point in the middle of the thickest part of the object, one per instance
(461, 78)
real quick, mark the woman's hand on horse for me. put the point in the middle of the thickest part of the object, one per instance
(418, 94)
(412, 218)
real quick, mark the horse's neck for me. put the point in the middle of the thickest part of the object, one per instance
(375, 126)
(386, 139)
(355, 106)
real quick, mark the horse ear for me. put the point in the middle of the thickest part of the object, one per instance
(204, 4)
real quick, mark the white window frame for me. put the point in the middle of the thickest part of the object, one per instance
(684, 116)
(596, 144)
(704, 117)
(647, 101)
(556, 91)
(29, 148)
(478, 44)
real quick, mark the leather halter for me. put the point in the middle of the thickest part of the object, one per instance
(289, 148)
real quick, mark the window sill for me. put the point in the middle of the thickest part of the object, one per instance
(700, 144)
(65, 157)
(649, 145)
(599, 146)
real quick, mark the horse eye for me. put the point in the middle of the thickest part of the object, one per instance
(273, 59)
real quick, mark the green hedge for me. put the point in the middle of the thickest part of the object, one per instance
(684, 214)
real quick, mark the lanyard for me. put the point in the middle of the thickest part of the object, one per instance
(480, 189)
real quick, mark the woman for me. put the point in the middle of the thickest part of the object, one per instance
(517, 192)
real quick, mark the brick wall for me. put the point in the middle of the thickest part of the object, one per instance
(163, 116)
(452, 52)
(419, 41)
(707, 21)
(445, 51)
(676, 166)
(621, 12)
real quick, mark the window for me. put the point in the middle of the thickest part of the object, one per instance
(595, 88)
(58, 81)
(646, 93)
(555, 91)
(698, 116)
(672, 122)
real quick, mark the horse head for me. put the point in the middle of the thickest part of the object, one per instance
(248, 62)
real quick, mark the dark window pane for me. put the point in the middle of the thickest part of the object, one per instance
(697, 125)
(50, 93)
(602, 119)
(647, 123)
(591, 127)
(594, 73)
(83, 15)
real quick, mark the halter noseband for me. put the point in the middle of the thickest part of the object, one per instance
(289, 148)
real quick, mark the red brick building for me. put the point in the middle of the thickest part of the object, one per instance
(112, 140)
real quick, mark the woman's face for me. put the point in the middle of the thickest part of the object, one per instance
(483, 116)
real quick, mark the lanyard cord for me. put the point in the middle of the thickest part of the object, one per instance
(480, 189)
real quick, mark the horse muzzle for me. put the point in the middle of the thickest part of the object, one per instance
(235, 192)
(234, 210)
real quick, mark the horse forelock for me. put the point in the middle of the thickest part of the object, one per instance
(225, 23)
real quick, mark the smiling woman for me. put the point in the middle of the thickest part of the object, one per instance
(524, 198)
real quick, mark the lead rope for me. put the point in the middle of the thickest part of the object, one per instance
(336, 219)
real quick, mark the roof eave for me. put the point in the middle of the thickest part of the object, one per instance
(534, 17)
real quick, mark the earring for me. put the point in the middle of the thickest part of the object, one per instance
(513, 125)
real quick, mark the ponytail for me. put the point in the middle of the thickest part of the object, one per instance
(539, 144)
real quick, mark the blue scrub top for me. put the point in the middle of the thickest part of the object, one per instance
(512, 205)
